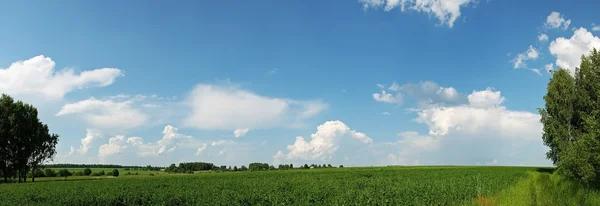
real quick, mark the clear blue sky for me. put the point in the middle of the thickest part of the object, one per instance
(282, 68)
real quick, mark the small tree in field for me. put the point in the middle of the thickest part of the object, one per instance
(87, 171)
(115, 172)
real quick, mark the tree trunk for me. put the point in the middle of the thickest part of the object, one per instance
(19, 175)
(33, 174)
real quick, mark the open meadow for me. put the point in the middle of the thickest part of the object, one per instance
(434, 185)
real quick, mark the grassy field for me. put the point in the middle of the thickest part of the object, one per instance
(334, 186)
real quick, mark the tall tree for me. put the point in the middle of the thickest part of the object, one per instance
(571, 120)
(44, 148)
(6, 105)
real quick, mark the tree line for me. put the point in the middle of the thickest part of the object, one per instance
(25, 142)
(190, 167)
(148, 167)
(571, 121)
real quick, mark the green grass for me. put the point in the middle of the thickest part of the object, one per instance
(543, 188)
(335, 186)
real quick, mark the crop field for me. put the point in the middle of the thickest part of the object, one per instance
(331, 186)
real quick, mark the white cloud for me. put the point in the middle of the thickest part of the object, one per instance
(105, 113)
(549, 67)
(482, 130)
(568, 51)
(229, 107)
(37, 77)
(115, 146)
(324, 143)
(543, 37)
(595, 27)
(530, 54)
(387, 97)
(428, 92)
(381, 86)
(222, 143)
(537, 71)
(240, 132)
(486, 98)
(86, 143)
(201, 149)
(386, 113)
(446, 11)
(556, 20)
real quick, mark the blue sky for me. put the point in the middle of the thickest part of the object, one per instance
(155, 82)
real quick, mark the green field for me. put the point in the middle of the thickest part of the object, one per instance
(332, 186)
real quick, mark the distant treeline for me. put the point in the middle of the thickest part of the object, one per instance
(190, 167)
(149, 167)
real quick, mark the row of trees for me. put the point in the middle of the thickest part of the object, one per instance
(190, 167)
(571, 120)
(25, 142)
(148, 167)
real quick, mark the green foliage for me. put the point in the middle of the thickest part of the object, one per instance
(64, 173)
(25, 142)
(87, 171)
(50, 173)
(368, 186)
(255, 166)
(101, 173)
(115, 172)
(571, 120)
(109, 174)
(78, 173)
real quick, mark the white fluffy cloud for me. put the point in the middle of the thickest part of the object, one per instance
(387, 97)
(543, 37)
(229, 107)
(86, 143)
(446, 11)
(568, 51)
(520, 59)
(240, 132)
(556, 20)
(107, 114)
(480, 132)
(324, 143)
(115, 146)
(201, 149)
(37, 77)
(485, 99)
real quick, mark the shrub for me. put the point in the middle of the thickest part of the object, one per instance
(109, 174)
(50, 173)
(87, 171)
(64, 173)
(151, 174)
(101, 173)
(78, 173)
(115, 172)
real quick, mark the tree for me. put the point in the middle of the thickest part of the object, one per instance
(291, 166)
(235, 168)
(87, 171)
(115, 172)
(101, 173)
(341, 166)
(25, 142)
(64, 173)
(571, 121)
(305, 166)
(49, 173)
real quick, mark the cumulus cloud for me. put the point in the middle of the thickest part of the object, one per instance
(568, 51)
(556, 20)
(486, 98)
(543, 37)
(240, 132)
(480, 131)
(37, 77)
(446, 11)
(229, 107)
(387, 97)
(115, 146)
(520, 59)
(324, 143)
(86, 143)
(106, 114)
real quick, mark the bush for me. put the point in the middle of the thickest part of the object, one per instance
(87, 171)
(151, 174)
(109, 174)
(38, 173)
(115, 172)
(78, 173)
(341, 166)
(50, 173)
(101, 173)
(96, 174)
(64, 173)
